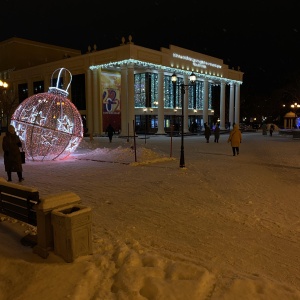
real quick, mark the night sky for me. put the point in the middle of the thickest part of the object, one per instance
(262, 39)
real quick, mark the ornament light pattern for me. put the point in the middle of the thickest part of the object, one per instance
(49, 124)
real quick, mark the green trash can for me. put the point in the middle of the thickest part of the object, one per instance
(72, 231)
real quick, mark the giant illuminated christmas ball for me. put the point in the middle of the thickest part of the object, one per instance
(49, 124)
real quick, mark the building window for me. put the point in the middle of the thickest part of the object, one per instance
(22, 92)
(38, 87)
(170, 100)
(168, 91)
(60, 83)
(198, 102)
(145, 90)
(153, 86)
(140, 90)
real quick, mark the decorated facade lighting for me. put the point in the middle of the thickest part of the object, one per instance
(170, 69)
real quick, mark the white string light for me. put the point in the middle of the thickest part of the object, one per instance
(48, 124)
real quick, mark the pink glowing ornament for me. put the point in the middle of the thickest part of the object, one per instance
(49, 124)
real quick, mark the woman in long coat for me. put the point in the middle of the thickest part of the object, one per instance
(235, 138)
(12, 158)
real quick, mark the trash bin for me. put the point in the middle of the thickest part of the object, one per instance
(72, 231)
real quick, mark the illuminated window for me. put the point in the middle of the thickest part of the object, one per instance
(145, 89)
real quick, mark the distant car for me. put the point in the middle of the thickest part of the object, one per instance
(243, 126)
(255, 126)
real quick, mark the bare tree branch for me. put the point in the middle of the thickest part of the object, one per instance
(8, 104)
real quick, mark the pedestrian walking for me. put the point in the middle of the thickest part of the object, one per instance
(217, 133)
(264, 129)
(235, 138)
(207, 132)
(110, 132)
(272, 127)
(11, 145)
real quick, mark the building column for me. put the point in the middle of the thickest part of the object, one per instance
(90, 120)
(222, 106)
(205, 101)
(237, 104)
(124, 102)
(130, 88)
(95, 88)
(231, 105)
(161, 104)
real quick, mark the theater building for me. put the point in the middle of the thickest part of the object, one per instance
(129, 86)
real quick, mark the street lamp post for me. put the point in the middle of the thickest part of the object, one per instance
(3, 84)
(295, 107)
(182, 90)
(3, 87)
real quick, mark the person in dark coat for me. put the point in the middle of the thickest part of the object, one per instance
(12, 158)
(110, 132)
(207, 132)
(235, 138)
(217, 133)
(272, 127)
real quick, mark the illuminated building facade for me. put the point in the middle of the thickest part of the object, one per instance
(130, 87)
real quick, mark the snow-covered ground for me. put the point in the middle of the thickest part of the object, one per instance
(223, 227)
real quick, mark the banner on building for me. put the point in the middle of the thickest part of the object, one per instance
(111, 105)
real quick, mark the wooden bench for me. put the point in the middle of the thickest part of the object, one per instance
(18, 201)
(24, 204)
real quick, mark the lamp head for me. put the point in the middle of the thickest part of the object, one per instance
(174, 78)
(192, 78)
(3, 84)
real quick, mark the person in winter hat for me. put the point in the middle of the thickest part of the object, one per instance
(235, 138)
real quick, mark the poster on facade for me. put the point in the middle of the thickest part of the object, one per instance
(111, 105)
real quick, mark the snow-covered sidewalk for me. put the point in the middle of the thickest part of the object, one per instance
(223, 227)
